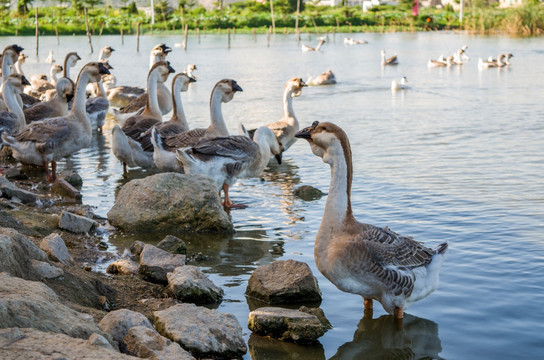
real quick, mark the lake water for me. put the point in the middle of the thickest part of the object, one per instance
(458, 157)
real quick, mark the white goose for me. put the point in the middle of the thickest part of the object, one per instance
(306, 48)
(364, 259)
(351, 41)
(13, 120)
(57, 106)
(164, 148)
(50, 59)
(326, 78)
(393, 60)
(19, 64)
(10, 55)
(70, 60)
(491, 63)
(399, 85)
(50, 140)
(140, 148)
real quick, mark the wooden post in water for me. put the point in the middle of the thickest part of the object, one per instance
(297, 32)
(57, 34)
(122, 37)
(185, 37)
(138, 37)
(37, 31)
(228, 38)
(273, 20)
(198, 34)
(268, 38)
(87, 29)
(101, 28)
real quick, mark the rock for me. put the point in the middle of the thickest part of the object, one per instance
(26, 303)
(15, 173)
(45, 270)
(318, 312)
(282, 282)
(156, 263)
(189, 284)
(117, 323)
(54, 246)
(75, 223)
(170, 202)
(17, 253)
(38, 345)
(203, 332)
(136, 248)
(173, 245)
(308, 193)
(286, 324)
(63, 188)
(147, 343)
(122, 267)
(99, 340)
(72, 178)
(10, 190)
(265, 347)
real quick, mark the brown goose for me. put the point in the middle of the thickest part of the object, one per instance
(375, 263)
(10, 55)
(13, 120)
(50, 140)
(57, 106)
(393, 60)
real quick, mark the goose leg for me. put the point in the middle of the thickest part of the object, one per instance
(124, 168)
(47, 173)
(227, 203)
(369, 304)
(398, 313)
(53, 170)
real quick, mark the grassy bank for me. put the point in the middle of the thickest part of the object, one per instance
(250, 16)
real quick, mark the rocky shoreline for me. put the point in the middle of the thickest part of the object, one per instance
(149, 305)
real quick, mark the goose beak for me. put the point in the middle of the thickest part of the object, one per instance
(192, 79)
(236, 87)
(112, 49)
(18, 49)
(102, 70)
(171, 69)
(77, 56)
(25, 81)
(306, 133)
(166, 49)
(302, 83)
(278, 157)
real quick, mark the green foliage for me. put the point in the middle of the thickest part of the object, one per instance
(132, 9)
(22, 6)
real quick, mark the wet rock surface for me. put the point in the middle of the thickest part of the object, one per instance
(75, 223)
(118, 323)
(308, 193)
(56, 249)
(189, 284)
(155, 263)
(146, 343)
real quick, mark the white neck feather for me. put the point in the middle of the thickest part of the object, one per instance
(10, 98)
(102, 92)
(179, 115)
(19, 68)
(6, 66)
(288, 112)
(153, 108)
(217, 125)
(53, 75)
(263, 157)
(78, 107)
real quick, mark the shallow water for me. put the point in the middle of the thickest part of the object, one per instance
(458, 157)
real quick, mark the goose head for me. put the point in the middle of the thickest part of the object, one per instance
(327, 140)
(106, 52)
(296, 85)
(183, 80)
(18, 82)
(22, 58)
(227, 88)
(12, 52)
(56, 69)
(109, 81)
(190, 69)
(164, 70)
(107, 64)
(65, 88)
(160, 51)
(71, 59)
(95, 70)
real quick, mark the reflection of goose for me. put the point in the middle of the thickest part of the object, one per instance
(57, 106)
(364, 259)
(50, 140)
(326, 78)
(382, 338)
(13, 120)
(306, 48)
(393, 60)
(399, 85)
(164, 147)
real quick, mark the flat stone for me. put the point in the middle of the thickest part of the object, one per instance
(17, 253)
(204, 332)
(283, 282)
(286, 324)
(147, 343)
(189, 284)
(123, 267)
(117, 323)
(75, 223)
(63, 188)
(156, 263)
(56, 249)
(173, 245)
(46, 270)
(11, 191)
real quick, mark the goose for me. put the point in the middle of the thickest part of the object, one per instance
(97, 107)
(105, 53)
(40, 84)
(351, 41)
(506, 59)
(164, 148)
(399, 85)
(13, 120)
(326, 78)
(286, 128)
(190, 71)
(50, 59)
(10, 55)
(120, 96)
(491, 63)
(375, 263)
(438, 63)
(158, 53)
(57, 106)
(269, 146)
(70, 60)
(306, 48)
(137, 125)
(460, 57)
(50, 140)
(393, 60)
(18, 69)
(19, 64)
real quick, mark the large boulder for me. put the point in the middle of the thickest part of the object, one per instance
(155, 263)
(38, 345)
(170, 202)
(17, 253)
(189, 284)
(282, 282)
(286, 324)
(149, 344)
(26, 304)
(118, 323)
(204, 332)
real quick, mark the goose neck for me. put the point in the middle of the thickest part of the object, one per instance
(179, 114)
(6, 63)
(10, 98)
(78, 107)
(216, 115)
(152, 105)
(19, 68)
(288, 111)
(53, 76)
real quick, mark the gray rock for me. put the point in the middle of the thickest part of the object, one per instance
(265, 347)
(46, 270)
(117, 323)
(38, 345)
(72, 178)
(308, 193)
(122, 267)
(17, 253)
(173, 245)
(65, 189)
(26, 303)
(203, 332)
(286, 324)
(156, 263)
(170, 202)
(75, 223)
(282, 282)
(99, 340)
(189, 284)
(147, 343)
(10, 190)
(55, 248)
(136, 248)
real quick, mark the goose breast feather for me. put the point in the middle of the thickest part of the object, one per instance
(45, 134)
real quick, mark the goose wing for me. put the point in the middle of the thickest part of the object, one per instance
(184, 139)
(135, 104)
(45, 133)
(392, 59)
(238, 147)
(37, 112)
(8, 122)
(96, 104)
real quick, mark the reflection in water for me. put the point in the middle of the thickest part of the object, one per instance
(381, 339)
(265, 348)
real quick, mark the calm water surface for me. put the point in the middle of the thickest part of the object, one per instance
(458, 157)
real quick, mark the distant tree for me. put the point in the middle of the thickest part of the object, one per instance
(22, 6)
(288, 6)
(132, 8)
(93, 3)
(5, 7)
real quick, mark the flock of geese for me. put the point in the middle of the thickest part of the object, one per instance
(358, 258)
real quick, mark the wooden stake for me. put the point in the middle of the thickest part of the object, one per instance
(87, 29)
(122, 37)
(228, 38)
(272, 14)
(37, 30)
(138, 37)
(185, 37)
(57, 34)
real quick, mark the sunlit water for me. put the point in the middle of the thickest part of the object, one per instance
(458, 157)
